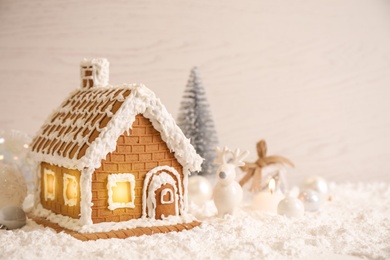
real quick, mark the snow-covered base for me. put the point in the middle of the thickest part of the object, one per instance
(356, 223)
(74, 224)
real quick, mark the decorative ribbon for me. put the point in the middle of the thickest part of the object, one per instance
(254, 170)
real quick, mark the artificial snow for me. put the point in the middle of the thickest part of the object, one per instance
(355, 223)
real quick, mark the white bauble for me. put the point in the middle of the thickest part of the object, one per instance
(311, 200)
(13, 187)
(291, 207)
(199, 190)
(319, 185)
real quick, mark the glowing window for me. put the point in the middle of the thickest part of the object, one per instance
(49, 180)
(121, 190)
(70, 191)
(167, 196)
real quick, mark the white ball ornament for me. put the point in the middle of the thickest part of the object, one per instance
(311, 200)
(319, 185)
(199, 190)
(291, 207)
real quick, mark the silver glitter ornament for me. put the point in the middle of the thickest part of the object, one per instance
(291, 207)
(12, 217)
(311, 200)
(319, 185)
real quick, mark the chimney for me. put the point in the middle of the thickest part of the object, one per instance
(94, 73)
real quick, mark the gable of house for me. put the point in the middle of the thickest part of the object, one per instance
(136, 154)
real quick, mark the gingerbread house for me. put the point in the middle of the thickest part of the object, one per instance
(112, 158)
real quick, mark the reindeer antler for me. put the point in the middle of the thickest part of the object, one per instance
(238, 157)
(221, 159)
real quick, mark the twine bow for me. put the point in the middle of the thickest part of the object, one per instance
(255, 169)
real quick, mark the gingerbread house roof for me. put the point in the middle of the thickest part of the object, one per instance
(85, 128)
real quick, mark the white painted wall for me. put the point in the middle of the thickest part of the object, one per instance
(311, 77)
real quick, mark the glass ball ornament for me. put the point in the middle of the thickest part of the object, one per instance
(14, 144)
(14, 147)
(311, 200)
(13, 187)
(319, 185)
(199, 190)
(291, 207)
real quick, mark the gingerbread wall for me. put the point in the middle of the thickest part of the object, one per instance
(136, 153)
(57, 205)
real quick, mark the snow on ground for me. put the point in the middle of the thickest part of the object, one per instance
(356, 223)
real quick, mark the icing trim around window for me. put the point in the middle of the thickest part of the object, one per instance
(121, 191)
(49, 180)
(70, 190)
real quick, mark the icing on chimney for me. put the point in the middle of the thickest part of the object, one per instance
(94, 72)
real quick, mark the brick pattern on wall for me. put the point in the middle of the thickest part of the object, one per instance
(136, 153)
(58, 204)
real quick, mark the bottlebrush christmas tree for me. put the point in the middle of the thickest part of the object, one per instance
(196, 122)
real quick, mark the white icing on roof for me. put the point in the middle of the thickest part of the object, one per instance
(51, 145)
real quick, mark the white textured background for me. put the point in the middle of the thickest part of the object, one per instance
(311, 77)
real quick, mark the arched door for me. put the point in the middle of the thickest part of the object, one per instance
(162, 196)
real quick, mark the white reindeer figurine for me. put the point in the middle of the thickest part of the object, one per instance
(227, 192)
